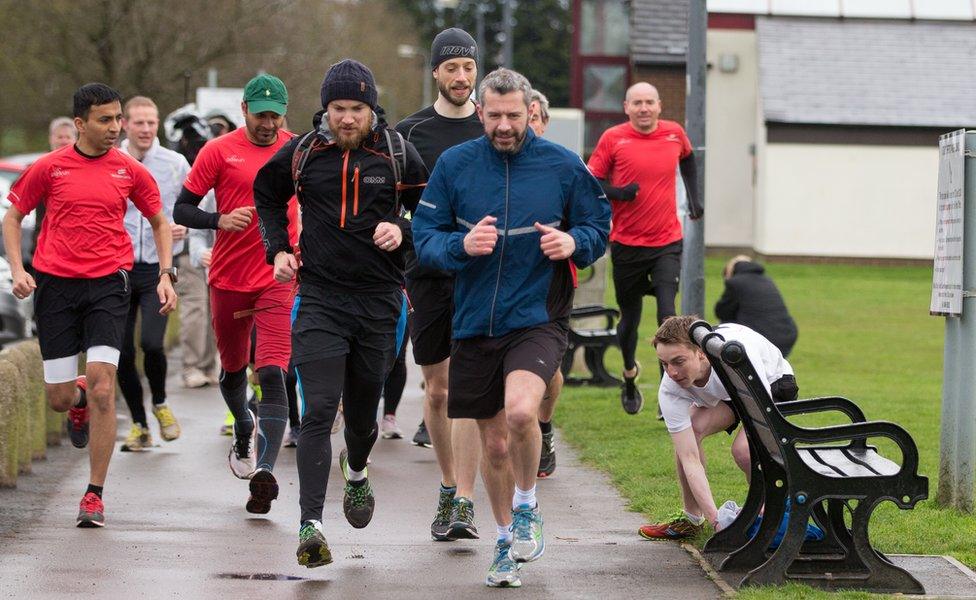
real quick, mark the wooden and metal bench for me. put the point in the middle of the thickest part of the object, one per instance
(823, 472)
(594, 341)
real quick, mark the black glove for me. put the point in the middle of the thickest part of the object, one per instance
(629, 191)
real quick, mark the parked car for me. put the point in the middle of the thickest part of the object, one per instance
(10, 170)
(16, 316)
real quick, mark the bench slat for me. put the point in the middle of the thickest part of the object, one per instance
(842, 462)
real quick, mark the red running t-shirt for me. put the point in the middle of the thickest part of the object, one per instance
(83, 232)
(228, 166)
(624, 155)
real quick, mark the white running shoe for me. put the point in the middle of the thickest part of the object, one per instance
(242, 452)
(389, 429)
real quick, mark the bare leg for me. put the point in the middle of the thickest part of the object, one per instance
(467, 453)
(497, 471)
(523, 396)
(435, 417)
(548, 406)
(101, 407)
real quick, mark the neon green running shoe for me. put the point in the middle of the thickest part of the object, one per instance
(313, 550)
(228, 427)
(358, 501)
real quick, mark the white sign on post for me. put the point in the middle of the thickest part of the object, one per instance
(947, 269)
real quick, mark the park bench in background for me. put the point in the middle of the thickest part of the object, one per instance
(594, 341)
(821, 472)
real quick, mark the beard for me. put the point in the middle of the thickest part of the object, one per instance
(350, 140)
(514, 148)
(445, 91)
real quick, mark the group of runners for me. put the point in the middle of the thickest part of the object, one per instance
(461, 226)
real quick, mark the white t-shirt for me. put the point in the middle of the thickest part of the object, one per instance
(676, 401)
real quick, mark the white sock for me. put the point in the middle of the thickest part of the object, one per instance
(695, 520)
(357, 475)
(523, 497)
(504, 533)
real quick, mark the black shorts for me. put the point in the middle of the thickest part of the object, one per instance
(361, 326)
(783, 389)
(432, 300)
(479, 366)
(638, 271)
(75, 314)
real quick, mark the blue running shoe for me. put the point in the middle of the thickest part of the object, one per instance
(528, 544)
(503, 572)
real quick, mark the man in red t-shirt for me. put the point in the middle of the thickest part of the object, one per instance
(636, 163)
(243, 292)
(82, 268)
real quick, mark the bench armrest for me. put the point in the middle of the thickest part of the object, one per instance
(595, 310)
(827, 403)
(862, 431)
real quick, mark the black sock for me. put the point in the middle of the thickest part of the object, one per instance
(359, 483)
(94, 489)
(82, 401)
(546, 427)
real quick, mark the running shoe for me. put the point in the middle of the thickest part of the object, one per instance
(504, 571)
(677, 527)
(241, 456)
(138, 439)
(78, 417)
(422, 437)
(631, 397)
(291, 437)
(169, 428)
(528, 543)
(462, 520)
(313, 550)
(195, 379)
(337, 423)
(547, 461)
(91, 513)
(228, 427)
(264, 489)
(442, 520)
(389, 429)
(357, 497)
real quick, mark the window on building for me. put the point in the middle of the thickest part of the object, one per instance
(604, 28)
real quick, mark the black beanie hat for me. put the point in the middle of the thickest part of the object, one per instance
(349, 80)
(452, 43)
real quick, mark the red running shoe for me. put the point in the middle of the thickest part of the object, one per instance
(92, 511)
(677, 528)
(78, 417)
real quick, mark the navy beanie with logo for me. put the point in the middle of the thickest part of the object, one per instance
(452, 43)
(349, 80)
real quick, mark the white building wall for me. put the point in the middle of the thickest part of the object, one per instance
(847, 200)
(730, 114)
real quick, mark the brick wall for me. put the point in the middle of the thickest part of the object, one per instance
(670, 84)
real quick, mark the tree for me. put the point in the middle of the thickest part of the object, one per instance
(542, 37)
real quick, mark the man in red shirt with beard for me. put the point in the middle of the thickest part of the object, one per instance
(240, 280)
(636, 163)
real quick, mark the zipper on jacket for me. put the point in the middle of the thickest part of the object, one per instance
(355, 190)
(501, 257)
(345, 177)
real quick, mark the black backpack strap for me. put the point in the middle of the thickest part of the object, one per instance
(300, 157)
(398, 160)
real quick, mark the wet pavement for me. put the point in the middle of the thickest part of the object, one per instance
(177, 528)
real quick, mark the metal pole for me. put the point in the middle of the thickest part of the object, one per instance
(507, 23)
(425, 78)
(957, 463)
(693, 254)
(479, 35)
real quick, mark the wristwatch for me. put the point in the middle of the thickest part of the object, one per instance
(171, 271)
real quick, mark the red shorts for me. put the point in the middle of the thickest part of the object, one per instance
(273, 325)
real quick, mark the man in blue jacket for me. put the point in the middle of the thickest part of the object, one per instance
(506, 213)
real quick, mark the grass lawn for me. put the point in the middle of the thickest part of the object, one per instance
(865, 333)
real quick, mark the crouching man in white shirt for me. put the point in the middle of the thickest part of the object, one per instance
(695, 405)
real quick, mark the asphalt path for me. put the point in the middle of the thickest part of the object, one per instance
(177, 528)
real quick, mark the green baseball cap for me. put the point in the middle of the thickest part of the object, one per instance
(266, 92)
